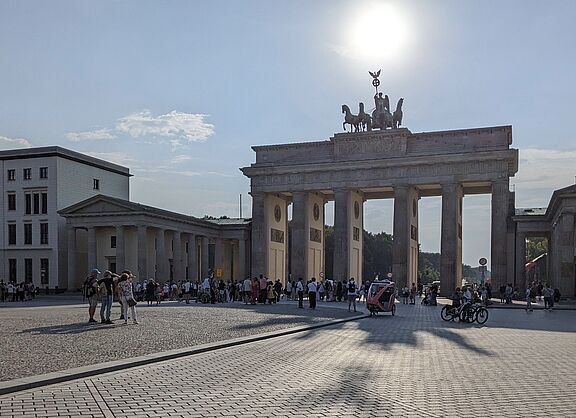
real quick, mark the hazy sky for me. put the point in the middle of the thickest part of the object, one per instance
(179, 90)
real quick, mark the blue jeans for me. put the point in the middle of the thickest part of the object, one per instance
(106, 308)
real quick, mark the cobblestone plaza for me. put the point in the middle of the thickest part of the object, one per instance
(413, 364)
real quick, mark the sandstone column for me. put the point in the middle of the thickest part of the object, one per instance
(73, 279)
(204, 260)
(401, 235)
(92, 254)
(451, 240)
(218, 264)
(520, 261)
(341, 255)
(142, 252)
(120, 249)
(299, 253)
(241, 259)
(192, 258)
(500, 197)
(162, 272)
(177, 255)
(259, 235)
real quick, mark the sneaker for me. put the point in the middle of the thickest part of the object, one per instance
(108, 322)
(103, 321)
(136, 322)
(92, 320)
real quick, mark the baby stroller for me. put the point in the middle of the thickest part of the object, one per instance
(381, 297)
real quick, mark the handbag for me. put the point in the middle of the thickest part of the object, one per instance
(131, 302)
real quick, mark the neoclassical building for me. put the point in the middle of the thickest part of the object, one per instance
(116, 234)
(556, 223)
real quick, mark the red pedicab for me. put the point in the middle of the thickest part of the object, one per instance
(381, 297)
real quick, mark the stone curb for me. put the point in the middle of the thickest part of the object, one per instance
(31, 382)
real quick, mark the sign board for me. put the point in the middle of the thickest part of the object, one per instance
(482, 261)
(321, 274)
(389, 275)
(219, 273)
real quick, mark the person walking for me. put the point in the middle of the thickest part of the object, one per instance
(106, 288)
(351, 293)
(91, 293)
(312, 289)
(300, 290)
(127, 296)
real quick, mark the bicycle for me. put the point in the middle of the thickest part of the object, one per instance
(448, 312)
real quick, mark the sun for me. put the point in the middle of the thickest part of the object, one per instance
(377, 31)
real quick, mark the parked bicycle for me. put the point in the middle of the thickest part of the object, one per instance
(466, 312)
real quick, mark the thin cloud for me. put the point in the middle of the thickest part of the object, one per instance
(96, 135)
(178, 159)
(120, 158)
(177, 128)
(174, 128)
(13, 143)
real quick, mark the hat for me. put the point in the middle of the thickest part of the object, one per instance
(95, 271)
(107, 273)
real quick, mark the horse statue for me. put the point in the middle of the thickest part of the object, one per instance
(397, 116)
(364, 119)
(350, 119)
(382, 119)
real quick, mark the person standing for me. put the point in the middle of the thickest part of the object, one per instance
(528, 299)
(247, 290)
(127, 296)
(548, 293)
(300, 291)
(106, 286)
(312, 289)
(263, 286)
(91, 293)
(352, 293)
(413, 294)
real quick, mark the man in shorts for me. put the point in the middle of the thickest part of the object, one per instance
(91, 293)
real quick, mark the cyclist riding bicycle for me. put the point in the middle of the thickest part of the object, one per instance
(456, 298)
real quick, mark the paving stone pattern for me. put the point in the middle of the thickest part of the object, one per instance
(520, 364)
(59, 337)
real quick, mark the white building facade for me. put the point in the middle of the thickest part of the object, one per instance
(35, 184)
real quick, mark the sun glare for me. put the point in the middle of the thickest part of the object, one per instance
(377, 31)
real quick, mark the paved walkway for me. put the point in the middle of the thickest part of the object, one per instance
(414, 364)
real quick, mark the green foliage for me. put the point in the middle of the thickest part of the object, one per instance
(535, 246)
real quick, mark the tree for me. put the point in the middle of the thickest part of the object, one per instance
(536, 246)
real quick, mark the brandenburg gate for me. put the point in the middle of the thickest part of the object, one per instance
(353, 167)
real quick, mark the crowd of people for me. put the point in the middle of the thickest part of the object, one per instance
(17, 292)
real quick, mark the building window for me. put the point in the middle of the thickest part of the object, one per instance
(44, 277)
(27, 173)
(12, 270)
(43, 172)
(12, 234)
(11, 175)
(113, 241)
(11, 201)
(44, 202)
(28, 203)
(28, 234)
(28, 270)
(43, 233)
(96, 184)
(36, 203)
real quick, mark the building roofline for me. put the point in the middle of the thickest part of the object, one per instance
(57, 151)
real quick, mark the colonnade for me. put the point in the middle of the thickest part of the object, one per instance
(152, 251)
(270, 243)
